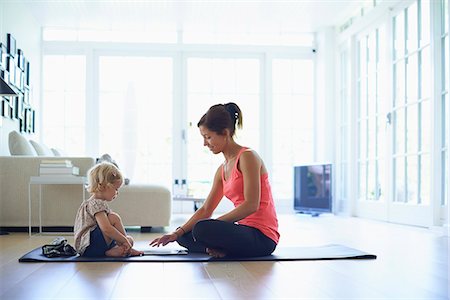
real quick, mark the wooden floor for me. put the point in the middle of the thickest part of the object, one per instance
(412, 263)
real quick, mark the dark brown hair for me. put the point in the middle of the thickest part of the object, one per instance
(222, 116)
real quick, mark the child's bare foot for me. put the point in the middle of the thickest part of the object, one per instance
(116, 251)
(134, 252)
(215, 253)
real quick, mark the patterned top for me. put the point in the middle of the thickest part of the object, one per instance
(85, 221)
(265, 218)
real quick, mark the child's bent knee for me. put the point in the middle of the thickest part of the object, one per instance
(114, 218)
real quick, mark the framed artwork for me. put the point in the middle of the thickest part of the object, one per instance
(19, 79)
(26, 95)
(11, 44)
(6, 109)
(33, 121)
(2, 56)
(15, 71)
(27, 73)
(11, 68)
(20, 59)
(18, 107)
(3, 107)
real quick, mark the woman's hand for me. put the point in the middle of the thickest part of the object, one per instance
(164, 240)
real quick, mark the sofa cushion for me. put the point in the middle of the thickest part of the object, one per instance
(41, 149)
(58, 152)
(18, 145)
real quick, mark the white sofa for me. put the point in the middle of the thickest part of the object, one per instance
(138, 205)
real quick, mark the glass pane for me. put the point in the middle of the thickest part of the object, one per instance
(131, 131)
(371, 52)
(447, 59)
(412, 179)
(381, 136)
(303, 82)
(444, 138)
(292, 121)
(381, 180)
(444, 10)
(425, 23)
(64, 104)
(371, 180)
(425, 123)
(446, 180)
(399, 179)
(399, 130)
(362, 181)
(399, 84)
(363, 98)
(425, 179)
(362, 57)
(399, 36)
(425, 69)
(412, 132)
(412, 78)
(363, 139)
(371, 137)
(412, 28)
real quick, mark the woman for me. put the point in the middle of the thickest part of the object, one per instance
(251, 228)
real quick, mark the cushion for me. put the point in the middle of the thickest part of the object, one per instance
(18, 145)
(41, 149)
(58, 152)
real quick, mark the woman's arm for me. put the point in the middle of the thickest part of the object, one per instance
(250, 167)
(204, 212)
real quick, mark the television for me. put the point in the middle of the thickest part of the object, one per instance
(312, 189)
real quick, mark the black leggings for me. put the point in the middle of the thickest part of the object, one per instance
(232, 239)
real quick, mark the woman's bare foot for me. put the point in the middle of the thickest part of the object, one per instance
(215, 253)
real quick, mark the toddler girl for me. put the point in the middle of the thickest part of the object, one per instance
(99, 231)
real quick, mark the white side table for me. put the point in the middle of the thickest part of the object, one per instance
(196, 200)
(45, 180)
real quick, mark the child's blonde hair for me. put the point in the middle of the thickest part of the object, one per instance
(102, 175)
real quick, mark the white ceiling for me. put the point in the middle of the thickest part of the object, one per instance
(213, 15)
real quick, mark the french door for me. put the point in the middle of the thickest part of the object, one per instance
(399, 175)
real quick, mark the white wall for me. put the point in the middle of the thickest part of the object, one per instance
(15, 19)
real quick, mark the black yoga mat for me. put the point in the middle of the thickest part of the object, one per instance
(326, 252)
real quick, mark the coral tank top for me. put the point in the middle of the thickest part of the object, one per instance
(265, 218)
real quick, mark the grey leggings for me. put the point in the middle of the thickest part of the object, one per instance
(233, 239)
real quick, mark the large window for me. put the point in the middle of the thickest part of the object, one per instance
(64, 95)
(135, 116)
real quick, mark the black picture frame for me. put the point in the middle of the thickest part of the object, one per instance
(18, 107)
(33, 121)
(11, 44)
(3, 107)
(26, 81)
(20, 59)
